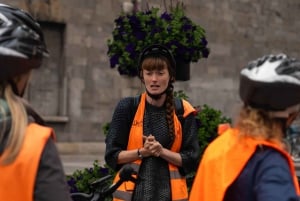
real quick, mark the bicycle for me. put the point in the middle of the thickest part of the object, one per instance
(99, 189)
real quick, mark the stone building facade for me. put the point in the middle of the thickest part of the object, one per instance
(76, 90)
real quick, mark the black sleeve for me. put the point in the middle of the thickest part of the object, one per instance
(51, 182)
(190, 150)
(119, 128)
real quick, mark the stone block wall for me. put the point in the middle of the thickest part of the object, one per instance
(237, 31)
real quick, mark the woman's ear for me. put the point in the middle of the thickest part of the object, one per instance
(172, 79)
(291, 118)
(21, 82)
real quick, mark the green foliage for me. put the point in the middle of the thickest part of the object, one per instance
(180, 94)
(105, 128)
(133, 32)
(208, 120)
(80, 180)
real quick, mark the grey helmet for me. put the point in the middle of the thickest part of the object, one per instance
(272, 83)
(22, 44)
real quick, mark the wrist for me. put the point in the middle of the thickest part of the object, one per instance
(161, 152)
(139, 153)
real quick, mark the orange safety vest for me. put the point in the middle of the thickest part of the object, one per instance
(17, 180)
(225, 158)
(177, 181)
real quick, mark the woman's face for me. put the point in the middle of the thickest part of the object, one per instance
(156, 81)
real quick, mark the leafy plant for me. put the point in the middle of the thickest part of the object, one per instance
(105, 128)
(80, 180)
(180, 94)
(134, 31)
(208, 120)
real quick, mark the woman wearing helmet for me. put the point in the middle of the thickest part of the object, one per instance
(30, 167)
(150, 136)
(249, 162)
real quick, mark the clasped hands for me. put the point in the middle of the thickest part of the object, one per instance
(151, 146)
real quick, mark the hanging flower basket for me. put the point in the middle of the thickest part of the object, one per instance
(133, 32)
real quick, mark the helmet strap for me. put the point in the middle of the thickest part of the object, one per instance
(285, 113)
(14, 87)
(168, 90)
(156, 96)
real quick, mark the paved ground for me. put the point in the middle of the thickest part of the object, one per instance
(79, 162)
(80, 155)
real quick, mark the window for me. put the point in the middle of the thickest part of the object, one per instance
(47, 90)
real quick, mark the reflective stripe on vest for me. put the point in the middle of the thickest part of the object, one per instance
(135, 141)
(223, 161)
(17, 180)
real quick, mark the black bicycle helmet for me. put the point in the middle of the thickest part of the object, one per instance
(157, 50)
(22, 45)
(272, 83)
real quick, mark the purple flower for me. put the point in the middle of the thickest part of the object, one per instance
(151, 22)
(205, 52)
(71, 181)
(129, 48)
(155, 30)
(74, 189)
(166, 16)
(103, 171)
(114, 60)
(90, 170)
(204, 41)
(173, 29)
(119, 21)
(139, 35)
(187, 27)
(134, 21)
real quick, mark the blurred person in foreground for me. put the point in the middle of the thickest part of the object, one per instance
(249, 162)
(30, 167)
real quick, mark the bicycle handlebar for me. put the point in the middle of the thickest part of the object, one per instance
(126, 174)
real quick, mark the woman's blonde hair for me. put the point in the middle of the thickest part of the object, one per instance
(19, 122)
(258, 123)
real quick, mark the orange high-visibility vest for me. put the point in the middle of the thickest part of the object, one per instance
(17, 180)
(222, 162)
(223, 127)
(177, 181)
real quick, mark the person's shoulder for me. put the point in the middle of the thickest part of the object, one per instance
(128, 99)
(270, 157)
(187, 107)
(269, 161)
(128, 102)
